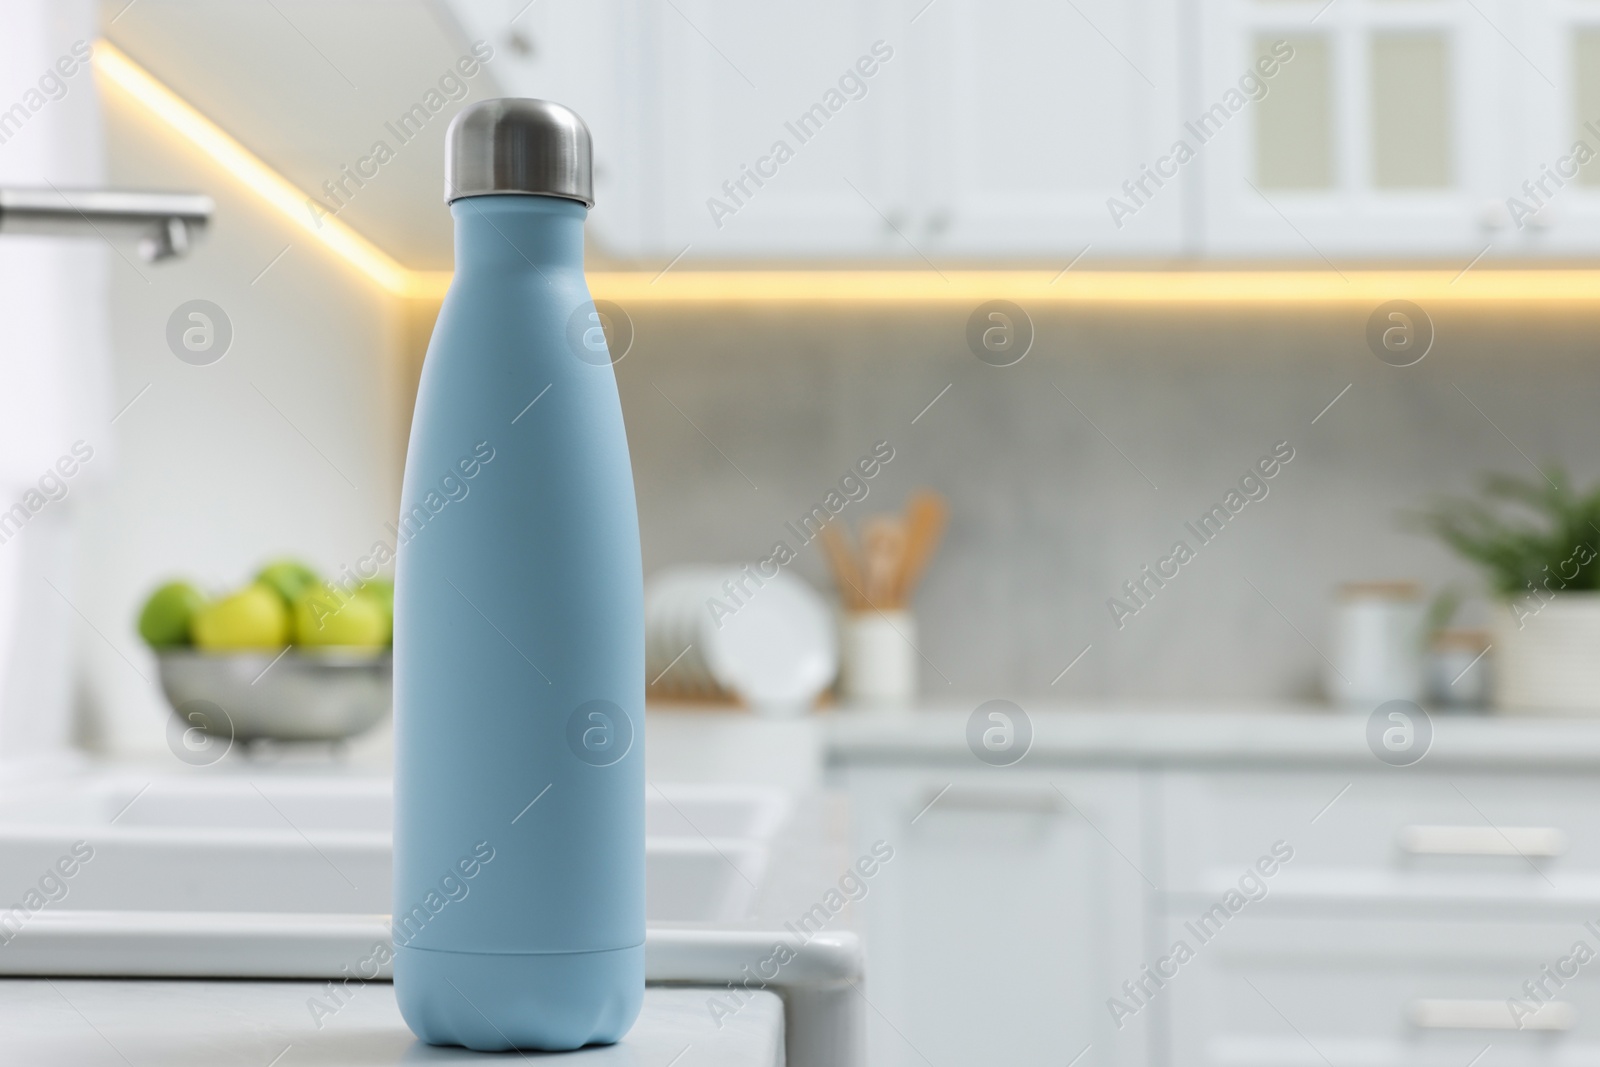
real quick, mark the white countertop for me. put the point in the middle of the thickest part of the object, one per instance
(69, 1022)
(1276, 734)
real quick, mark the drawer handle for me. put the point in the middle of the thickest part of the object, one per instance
(1530, 841)
(1032, 801)
(1489, 1015)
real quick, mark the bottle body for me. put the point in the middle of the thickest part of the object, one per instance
(519, 659)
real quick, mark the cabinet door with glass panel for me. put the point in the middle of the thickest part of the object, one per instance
(1342, 130)
(1552, 189)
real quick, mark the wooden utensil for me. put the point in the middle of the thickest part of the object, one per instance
(884, 547)
(846, 570)
(927, 514)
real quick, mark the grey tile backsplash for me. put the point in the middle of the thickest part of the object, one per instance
(1072, 471)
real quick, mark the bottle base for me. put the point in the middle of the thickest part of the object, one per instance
(495, 1002)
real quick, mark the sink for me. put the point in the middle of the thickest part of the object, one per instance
(240, 871)
(311, 845)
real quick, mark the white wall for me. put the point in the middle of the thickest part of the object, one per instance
(292, 443)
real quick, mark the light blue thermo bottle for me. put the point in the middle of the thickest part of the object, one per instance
(519, 624)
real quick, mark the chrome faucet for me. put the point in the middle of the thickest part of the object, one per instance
(166, 224)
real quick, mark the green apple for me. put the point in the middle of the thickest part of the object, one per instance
(381, 589)
(326, 616)
(164, 621)
(289, 577)
(253, 618)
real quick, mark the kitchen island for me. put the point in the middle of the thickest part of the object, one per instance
(72, 1022)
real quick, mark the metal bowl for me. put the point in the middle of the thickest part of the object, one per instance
(304, 695)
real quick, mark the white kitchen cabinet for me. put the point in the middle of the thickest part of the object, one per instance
(1417, 836)
(1031, 116)
(1334, 909)
(1011, 908)
(1414, 906)
(1554, 102)
(774, 129)
(1385, 132)
(1294, 985)
(922, 136)
(960, 132)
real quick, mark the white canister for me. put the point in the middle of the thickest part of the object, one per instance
(878, 659)
(1458, 669)
(1378, 644)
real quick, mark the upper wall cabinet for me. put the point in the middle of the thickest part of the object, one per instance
(962, 132)
(1552, 118)
(877, 130)
(1375, 129)
(1032, 115)
(775, 126)
(896, 131)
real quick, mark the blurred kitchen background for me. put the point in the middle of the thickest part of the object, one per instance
(1183, 326)
(990, 138)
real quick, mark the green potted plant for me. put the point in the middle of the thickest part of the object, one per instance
(1538, 543)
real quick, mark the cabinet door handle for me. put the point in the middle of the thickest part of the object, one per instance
(1531, 841)
(1031, 801)
(1490, 1015)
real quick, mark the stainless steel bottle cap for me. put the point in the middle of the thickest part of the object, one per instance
(518, 146)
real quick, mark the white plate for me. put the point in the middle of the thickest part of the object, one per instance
(779, 651)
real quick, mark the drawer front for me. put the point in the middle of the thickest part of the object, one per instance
(1402, 832)
(1276, 987)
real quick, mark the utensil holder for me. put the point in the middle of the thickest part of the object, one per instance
(878, 659)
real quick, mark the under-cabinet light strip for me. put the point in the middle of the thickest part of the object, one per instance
(1103, 287)
(273, 188)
